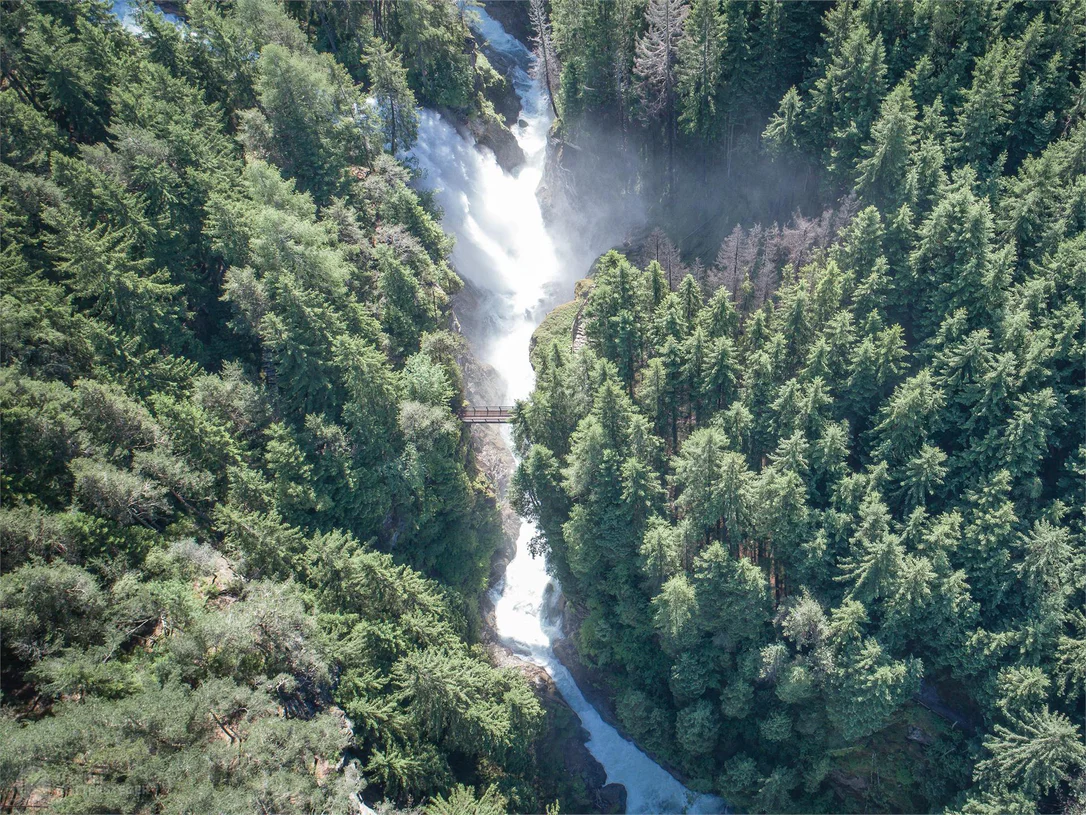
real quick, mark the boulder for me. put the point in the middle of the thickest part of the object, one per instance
(611, 798)
(919, 736)
(489, 132)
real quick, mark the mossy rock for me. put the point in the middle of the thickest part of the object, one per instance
(558, 325)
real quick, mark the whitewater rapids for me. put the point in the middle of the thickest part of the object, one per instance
(504, 249)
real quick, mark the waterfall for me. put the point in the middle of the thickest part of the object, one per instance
(504, 250)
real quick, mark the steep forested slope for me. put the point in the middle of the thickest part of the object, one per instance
(686, 88)
(236, 502)
(824, 524)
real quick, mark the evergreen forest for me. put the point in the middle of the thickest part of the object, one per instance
(809, 466)
(244, 536)
(816, 491)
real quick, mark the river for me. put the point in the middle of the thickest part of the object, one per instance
(503, 248)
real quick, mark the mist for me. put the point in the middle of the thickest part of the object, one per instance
(611, 185)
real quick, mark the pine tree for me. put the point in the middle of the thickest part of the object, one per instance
(881, 171)
(699, 59)
(923, 474)
(844, 102)
(1037, 750)
(876, 558)
(655, 67)
(395, 101)
(986, 110)
(698, 475)
(661, 554)
(733, 596)
(953, 254)
(782, 131)
(674, 610)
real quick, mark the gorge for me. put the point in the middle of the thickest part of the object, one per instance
(784, 505)
(505, 251)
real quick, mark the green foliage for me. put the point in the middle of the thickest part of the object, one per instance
(862, 480)
(396, 102)
(1034, 753)
(309, 121)
(222, 369)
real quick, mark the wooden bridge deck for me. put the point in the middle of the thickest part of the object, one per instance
(491, 414)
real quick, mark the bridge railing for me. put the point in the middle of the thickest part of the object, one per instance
(487, 414)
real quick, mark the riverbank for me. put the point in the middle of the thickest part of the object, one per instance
(568, 772)
(564, 324)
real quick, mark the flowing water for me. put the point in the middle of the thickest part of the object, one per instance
(503, 249)
(505, 252)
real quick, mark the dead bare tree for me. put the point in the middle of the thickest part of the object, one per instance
(655, 67)
(547, 66)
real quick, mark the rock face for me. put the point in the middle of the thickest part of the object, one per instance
(487, 130)
(505, 101)
(513, 15)
(612, 798)
(589, 188)
(594, 686)
(499, 90)
(493, 130)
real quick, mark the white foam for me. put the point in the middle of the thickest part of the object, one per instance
(503, 248)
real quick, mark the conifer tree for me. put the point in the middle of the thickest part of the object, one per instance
(700, 51)
(656, 68)
(396, 102)
(882, 169)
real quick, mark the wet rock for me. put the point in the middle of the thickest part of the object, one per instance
(499, 89)
(930, 698)
(505, 101)
(491, 454)
(513, 16)
(487, 131)
(586, 188)
(490, 133)
(612, 798)
(500, 560)
(555, 192)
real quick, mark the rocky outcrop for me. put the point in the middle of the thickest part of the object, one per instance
(590, 187)
(561, 752)
(504, 98)
(486, 130)
(556, 192)
(611, 798)
(489, 132)
(596, 689)
(494, 81)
